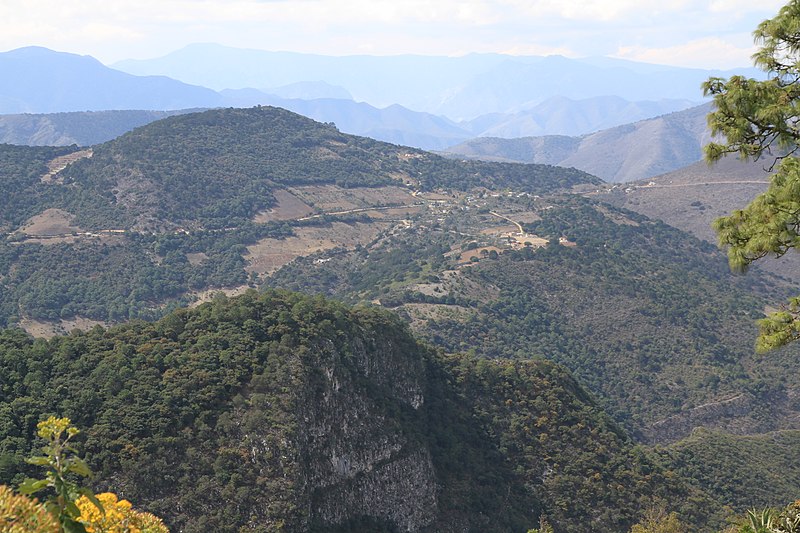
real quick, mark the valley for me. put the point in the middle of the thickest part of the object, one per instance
(378, 268)
(502, 278)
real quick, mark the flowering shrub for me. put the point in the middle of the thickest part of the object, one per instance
(19, 514)
(72, 508)
(119, 517)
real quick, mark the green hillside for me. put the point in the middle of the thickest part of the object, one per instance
(110, 236)
(750, 471)
(23, 194)
(645, 316)
(287, 413)
(218, 168)
(587, 329)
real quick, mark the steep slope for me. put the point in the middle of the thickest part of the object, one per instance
(620, 154)
(222, 165)
(753, 471)
(240, 193)
(286, 413)
(38, 80)
(691, 198)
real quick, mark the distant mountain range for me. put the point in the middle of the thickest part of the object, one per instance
(38, 80)
(662, 144)
(624, 153)
(461, 88)
(563, 116)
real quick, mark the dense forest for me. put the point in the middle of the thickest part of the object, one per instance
(645, 317)
(247, 399)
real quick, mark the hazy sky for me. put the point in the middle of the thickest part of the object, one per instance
(696, 33)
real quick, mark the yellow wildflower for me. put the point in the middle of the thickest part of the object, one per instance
(20, 514)
(119, 517)
(53, 428)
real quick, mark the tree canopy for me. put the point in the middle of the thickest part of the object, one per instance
(761, 119)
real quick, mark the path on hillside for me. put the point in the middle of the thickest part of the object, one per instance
(102, 232)
(361, 210)
(517, 224)
(743, 182)
(60, 163)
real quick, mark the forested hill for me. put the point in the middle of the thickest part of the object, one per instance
(281, 412)
(218, 168)
(128, 228)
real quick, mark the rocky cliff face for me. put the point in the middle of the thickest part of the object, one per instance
(334, 437)
(360, 461)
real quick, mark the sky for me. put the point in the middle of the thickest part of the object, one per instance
(692, 33)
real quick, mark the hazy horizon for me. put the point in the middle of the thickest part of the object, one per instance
(713, 34)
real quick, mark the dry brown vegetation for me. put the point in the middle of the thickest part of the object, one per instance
(268, 255)
(289, 207)
(48, 329)
(50, 222)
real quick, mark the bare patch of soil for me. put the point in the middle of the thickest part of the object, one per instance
(326, 153)
(196, 258)
(479, 253)
(60, 163)
(394, 213)
(268, 255)
(47, 329)
(50, 222)
(289, 207)
(207, 296)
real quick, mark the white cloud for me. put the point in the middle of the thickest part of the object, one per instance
(745, 6)
(673, 30)
(699, 53)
